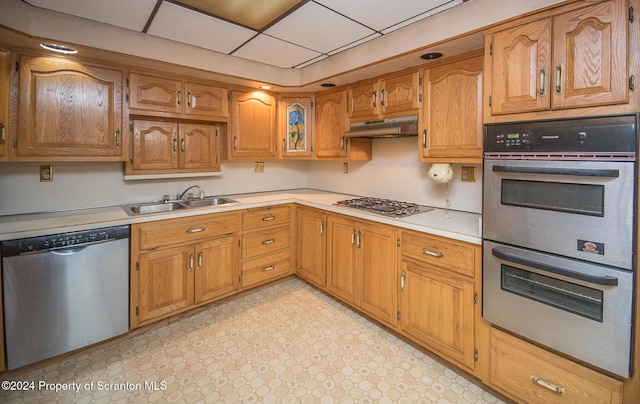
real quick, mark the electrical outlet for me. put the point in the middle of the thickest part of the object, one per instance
(258, 167)
(46, 173)
(345, 168)
(468, 174)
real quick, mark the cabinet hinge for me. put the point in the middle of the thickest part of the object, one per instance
(632, 82)
(631, 15)
(491, 49)
(490, 99)
(420, 97)
(126, 82)
(475, 298)
(475, 355)
(17, 66)
(420, 81)
(398, 315)
(137, 311)
(137, 265)
(398, 242)
(15, 142)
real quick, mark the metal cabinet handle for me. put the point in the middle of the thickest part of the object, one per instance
(191, 262)
(547, 384)
(196, 230)
(178, 96)
(342, 143)
(322, 227)
(182, 143)
(269, 268)
(403, 280)
(375, 99)
(268, 218)
(424, 139)
(359, 239)
(200, 259)
(189, 99)
(432, 253)
(235, 143)
(353, 237)
(543, 84)
(382, 97)
(558, 79)
(175, 145)
(117, 135)
(270, 241)
(3, 134)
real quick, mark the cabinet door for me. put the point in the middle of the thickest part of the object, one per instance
(399, 93)
(155, 93)
(452, 111)
(199, 147)
(208, 101)
(341, 258)
(521, 68)
(296, 126)
(311, 246)
(217, 270)
(438, 310)
(376, 272)
(4, 109)
(590, 56)
(253, 125)
(364, 100)
(155, 145)
(66, 109)
(166, 282)
(331, 121)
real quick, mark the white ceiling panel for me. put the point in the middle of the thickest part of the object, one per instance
(381, 14)
(316, 27)
(275, 52)
(190, 27)
(122, 13)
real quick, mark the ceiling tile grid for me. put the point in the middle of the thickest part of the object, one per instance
(281, 33)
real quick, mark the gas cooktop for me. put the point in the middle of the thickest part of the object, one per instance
(385, 207)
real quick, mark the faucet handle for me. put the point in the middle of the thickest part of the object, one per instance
(165, 198)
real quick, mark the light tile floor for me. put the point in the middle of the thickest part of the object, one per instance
(286, 343)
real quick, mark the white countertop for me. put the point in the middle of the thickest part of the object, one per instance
(461, 226)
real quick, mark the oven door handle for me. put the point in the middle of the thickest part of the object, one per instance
(510, 255)
(558, 171)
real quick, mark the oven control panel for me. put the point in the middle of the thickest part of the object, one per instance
(611, 134)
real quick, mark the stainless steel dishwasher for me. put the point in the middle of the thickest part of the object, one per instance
(63, 292)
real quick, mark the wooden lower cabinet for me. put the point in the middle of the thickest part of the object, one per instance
(177, 264)
(266, 245)
(530, 374)
(311, 243)
(362, 266)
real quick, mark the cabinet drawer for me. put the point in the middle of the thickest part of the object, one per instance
(456, 257)
(175, 231)
(267, 217)
(264, 242)
(265, 268)
(530, 374)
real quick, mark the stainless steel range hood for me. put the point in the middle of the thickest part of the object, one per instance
(382, 128)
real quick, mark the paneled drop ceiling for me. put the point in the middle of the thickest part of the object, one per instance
(281, 33)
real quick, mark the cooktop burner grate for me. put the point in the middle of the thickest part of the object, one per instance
(386, 207)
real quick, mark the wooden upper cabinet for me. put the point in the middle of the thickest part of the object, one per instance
(451, 114)
(4, 107)
(295, 125)
(162, 147)
(331, 124)
(67, 111)
(590, 56)
(158, 96)
(391, 94)
(253, 126)
(574, 59)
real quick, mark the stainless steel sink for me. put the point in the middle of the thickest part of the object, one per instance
(159, 207)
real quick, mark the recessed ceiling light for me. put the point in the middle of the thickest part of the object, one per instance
(266, 87)
(327, 85)
(431, 56)
(58, 48)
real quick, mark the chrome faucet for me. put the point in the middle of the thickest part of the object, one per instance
(180, 196)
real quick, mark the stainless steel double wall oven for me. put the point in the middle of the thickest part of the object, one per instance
(559, 213)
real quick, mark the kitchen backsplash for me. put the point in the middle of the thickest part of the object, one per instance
(393, 173)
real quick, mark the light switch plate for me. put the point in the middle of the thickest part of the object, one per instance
(345, 167)
(258, 167)
(46, 173)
